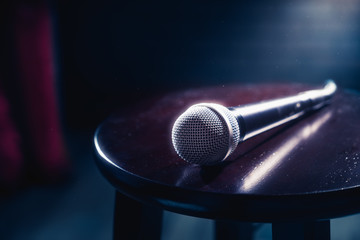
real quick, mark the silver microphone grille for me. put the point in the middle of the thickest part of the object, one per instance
(205, 134)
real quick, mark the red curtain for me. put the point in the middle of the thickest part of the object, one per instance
(37, 150)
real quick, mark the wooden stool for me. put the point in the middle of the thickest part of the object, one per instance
(296, 176)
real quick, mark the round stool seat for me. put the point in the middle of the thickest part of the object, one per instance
(305, 170)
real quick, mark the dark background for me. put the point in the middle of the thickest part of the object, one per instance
(114, 53)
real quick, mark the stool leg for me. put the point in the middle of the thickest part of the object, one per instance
(133, 220)
(319, 230)
(232, 230)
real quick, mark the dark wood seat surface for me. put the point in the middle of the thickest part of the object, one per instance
(306, 170)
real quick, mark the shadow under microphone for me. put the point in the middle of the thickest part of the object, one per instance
(207, 133)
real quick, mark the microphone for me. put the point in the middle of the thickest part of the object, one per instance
(207, 133)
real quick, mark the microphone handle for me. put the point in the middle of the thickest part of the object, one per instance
(259, 117)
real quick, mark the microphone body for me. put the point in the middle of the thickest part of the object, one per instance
(208, 133)
(260, 117)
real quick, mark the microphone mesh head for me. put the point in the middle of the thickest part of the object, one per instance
(205, 134)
